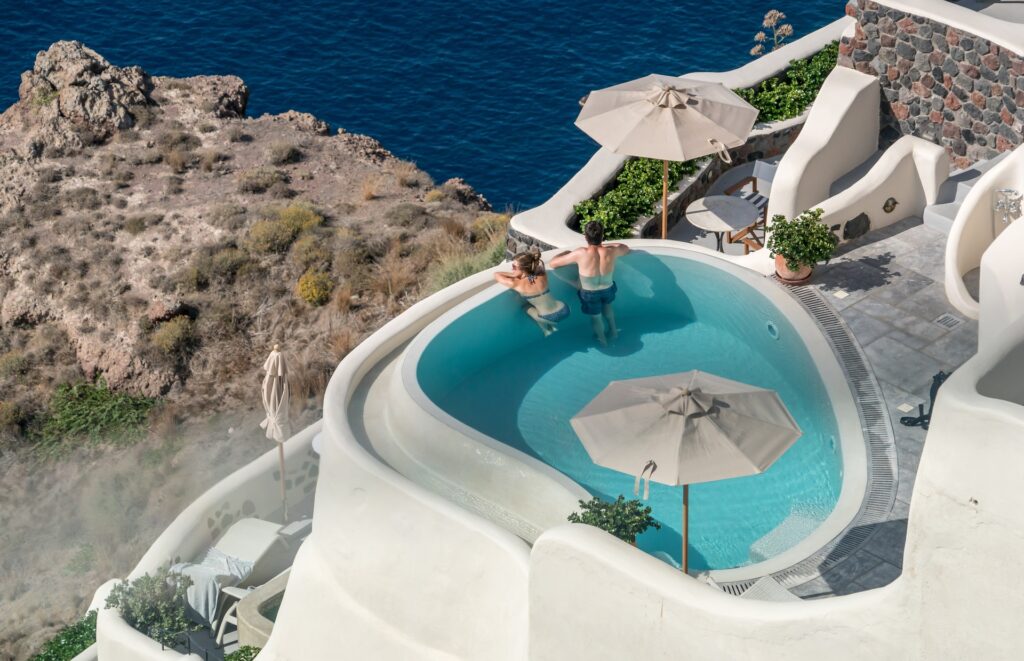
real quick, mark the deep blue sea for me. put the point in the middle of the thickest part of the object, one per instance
(484, 90)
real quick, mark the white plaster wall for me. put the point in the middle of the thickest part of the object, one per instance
(391, 570)
(911, 171)
(975, 228)
(840, 133)
(1002, 285)
(547, 222)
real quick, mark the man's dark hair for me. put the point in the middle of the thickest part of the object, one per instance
(594, 231)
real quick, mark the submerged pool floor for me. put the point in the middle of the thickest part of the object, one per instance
(527, 397)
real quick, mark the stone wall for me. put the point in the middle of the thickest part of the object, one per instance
(938, 82)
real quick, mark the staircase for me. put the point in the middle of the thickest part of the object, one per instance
(941, 214)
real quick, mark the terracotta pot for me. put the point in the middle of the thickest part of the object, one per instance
(792, 277)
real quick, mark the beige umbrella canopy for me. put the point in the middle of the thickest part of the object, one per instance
(685, 428)
(668, 118)
(275, 404)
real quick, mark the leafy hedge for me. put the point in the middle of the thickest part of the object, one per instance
(244, 653)
(637, 189)
(70, 641)
(789, 94)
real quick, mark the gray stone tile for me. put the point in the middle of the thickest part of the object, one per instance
(865, 328)
(900, 509)
(841, 577)
(900, 365)
(923, 330)
(883, 574)
(888, 541)
(956, 346)
(817, 588)
(880, 309)
(927, 303)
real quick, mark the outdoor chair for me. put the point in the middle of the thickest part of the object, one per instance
(752, 237)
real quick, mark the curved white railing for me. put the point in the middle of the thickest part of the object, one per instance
(250, 491)
(840, 133)
(910, 172)
(975, 227)
(548, 222)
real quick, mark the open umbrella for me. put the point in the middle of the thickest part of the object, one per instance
(668, 118)
(275, 403)
(685, 428)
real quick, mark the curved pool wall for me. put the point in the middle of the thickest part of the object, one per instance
(667, 295)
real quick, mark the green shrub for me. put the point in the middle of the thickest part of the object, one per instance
(11, 415)
(638, 187)
(802, 241)
(449, 269)
(300, 216)
(154, 605)
(191, 278)
(174, 337)
(244, 653)
(260, 180)
(624, 518)
(12, 363)
(226, 262)
(86, 411)
(789, 94)
(282, 153)
(315, 287)
(70, 641)
(174, 139)
(309, 252)
(270, 236)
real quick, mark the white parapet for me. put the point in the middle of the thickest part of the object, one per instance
(548, 222)
(910, 172)
(840, 133)
(975, 227)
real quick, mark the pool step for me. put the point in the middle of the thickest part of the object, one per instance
(793, 528)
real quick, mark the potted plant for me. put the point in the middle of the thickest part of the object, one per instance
(798, 244)
(624, 518)
(155, 605)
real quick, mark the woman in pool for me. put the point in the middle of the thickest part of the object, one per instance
(530, 281)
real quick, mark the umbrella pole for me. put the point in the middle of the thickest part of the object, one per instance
(686, 526)
(284, 501)
(664, 199)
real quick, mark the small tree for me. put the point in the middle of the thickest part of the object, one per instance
(802, 241)
(624, 518)
(779, 32)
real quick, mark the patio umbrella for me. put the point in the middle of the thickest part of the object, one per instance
(685, 428)
(275, 403)
(668, 118)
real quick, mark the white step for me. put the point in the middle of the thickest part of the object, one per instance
(940, 216)
(784, 536)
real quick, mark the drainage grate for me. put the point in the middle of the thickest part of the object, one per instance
(880, 443)
(948, 321)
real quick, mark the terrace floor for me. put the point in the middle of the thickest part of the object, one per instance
(888, 288)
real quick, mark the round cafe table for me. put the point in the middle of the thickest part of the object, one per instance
(721, 214)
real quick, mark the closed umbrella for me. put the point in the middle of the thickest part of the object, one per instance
(685, 428)
(275, 404)
(667, 118)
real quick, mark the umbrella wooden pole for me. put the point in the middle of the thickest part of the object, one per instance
(686, 528)
(664, 199)
(284, 500)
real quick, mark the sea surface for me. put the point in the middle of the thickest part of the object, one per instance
(483, 90)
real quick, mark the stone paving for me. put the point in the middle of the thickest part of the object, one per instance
(888, 288)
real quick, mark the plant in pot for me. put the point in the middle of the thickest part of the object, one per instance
(154, 605)
(623, 518)
(798, 244)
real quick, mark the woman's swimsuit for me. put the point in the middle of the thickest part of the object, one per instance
(545, 301)
(596, 291)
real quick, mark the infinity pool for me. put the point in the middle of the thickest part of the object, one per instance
(491, 369)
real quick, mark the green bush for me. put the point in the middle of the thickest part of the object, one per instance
(277, 234)
(87, 411)
(282, 153)
(174, 337)
(13, 363)
(260, 180)
(244, 653)
(300, 217)
(70, 641)
(452, 268)
(309, 252)
(789, 94)
(226, 262)
(154, 605)
(638, 187)
(624, 518)
(802, 241)
(315, 287)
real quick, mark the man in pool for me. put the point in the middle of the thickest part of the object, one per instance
(596, 262)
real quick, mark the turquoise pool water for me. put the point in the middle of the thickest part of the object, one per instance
(492, 370)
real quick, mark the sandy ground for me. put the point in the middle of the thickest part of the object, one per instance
(67, 526)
